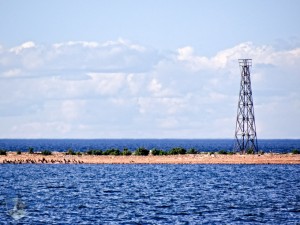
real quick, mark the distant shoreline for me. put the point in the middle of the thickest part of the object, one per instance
(202, 158)
(84, 145)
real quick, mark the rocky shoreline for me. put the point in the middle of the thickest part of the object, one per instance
(202, 158)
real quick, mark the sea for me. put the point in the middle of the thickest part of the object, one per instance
(201, 145)
(148, 194)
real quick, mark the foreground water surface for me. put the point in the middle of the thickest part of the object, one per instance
(151, 194)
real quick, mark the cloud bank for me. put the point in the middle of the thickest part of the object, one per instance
(120, 89)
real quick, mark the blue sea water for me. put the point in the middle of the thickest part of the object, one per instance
(151, 194)
(207, 145)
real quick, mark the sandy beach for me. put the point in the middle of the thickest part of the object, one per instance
(62, 158)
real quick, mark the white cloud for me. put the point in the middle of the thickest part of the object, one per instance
(122, 89)
(192, 61)
(155, 86)
(160, 106)
(71, 109)
(18, 49)
(75, 58)
(85, 44)
(40, 129)
(228, 57)
(107, 84)
(12, 73)
(135, 83)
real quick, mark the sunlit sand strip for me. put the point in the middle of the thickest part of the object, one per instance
(62, 158)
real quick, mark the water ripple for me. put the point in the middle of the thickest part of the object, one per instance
(152, 194)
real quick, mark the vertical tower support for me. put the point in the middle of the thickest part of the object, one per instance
(245, 130)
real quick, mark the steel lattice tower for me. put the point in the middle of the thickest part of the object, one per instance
(245, 130)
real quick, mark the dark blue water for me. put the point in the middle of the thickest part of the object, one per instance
(152, 194)
(207, 145)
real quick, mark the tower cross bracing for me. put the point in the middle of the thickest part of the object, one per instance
(245, 130)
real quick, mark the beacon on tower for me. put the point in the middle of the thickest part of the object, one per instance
(245, 130)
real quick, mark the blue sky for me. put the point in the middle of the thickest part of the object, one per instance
(208, 26)
(146, 69)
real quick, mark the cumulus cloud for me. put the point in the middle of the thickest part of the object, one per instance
(71, 59)
(121, 89)
(19, 49)
(263, 55)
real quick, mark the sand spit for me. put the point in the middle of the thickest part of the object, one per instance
(62, 158)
